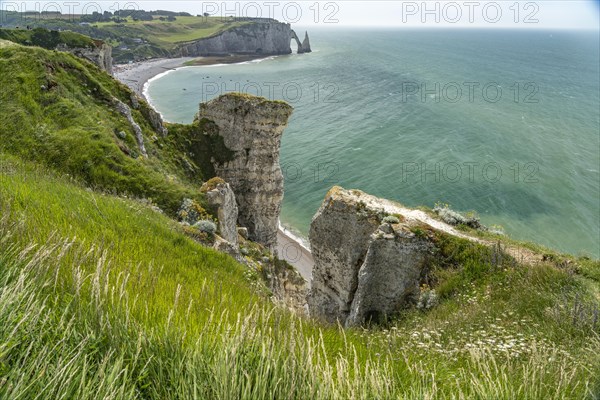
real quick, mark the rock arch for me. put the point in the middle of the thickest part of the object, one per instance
(304, 46)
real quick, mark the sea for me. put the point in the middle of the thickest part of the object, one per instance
(505, 123)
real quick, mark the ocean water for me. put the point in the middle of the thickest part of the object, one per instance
(505, 123)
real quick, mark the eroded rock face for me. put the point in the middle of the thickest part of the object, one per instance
(223, 199)
(101, 54)
(389, 277)
(364, 269)
(124, 110)
(306, 44)
(288, 287)
(251, 127)
(266, 38)
(339, 240)
(150, 114)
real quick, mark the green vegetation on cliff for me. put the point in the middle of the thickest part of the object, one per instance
(102, 296)
(47, 39)
(133, 38)
(60, 111)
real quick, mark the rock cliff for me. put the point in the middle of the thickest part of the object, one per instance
(150, 114)
(266, 38)
(369, 255)
(124, 110)
(289, 288)
(251, 127)
(100, 54)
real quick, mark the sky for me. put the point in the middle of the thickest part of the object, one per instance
(548, 14)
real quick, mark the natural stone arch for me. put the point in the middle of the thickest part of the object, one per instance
(303, 47)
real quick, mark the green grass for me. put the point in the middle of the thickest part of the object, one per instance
(46, 39)
(102, 296)
(123, 303)
(183, 29)
(58, 110)
(161, 38)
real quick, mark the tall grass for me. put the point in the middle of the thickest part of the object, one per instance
(81, 343)
(160, 317)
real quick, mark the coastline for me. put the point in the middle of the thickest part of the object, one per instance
(292, 249)
(136, 75)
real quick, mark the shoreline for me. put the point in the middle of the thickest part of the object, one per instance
(291, 249)
(137, 75)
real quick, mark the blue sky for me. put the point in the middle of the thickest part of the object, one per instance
(550, 14)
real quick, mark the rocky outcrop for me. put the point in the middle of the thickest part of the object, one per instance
(304, 46)
(389, 276)
(100, 54)
(268, 38)
(370, 255)
(222, 199)
(251, 128)
(150, 114)
(225, 246)
(287, 285)
(124, 110)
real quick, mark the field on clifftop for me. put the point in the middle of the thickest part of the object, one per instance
(132, 39)
(102, 295)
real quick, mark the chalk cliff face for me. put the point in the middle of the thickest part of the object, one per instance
(266, 38)
(124, 110)
(251, 127)
(101, 55)
(288, 286)
(150, 113)
(366, 266)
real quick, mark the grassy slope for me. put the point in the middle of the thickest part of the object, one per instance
(73, 127)
(123, 305)
(188, 319)
(168, 33)
(43, 38)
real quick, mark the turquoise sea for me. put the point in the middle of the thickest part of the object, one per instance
(505, 123)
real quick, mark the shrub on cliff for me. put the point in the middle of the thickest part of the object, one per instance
(452, 217)
(191, 212)
(391, 219)
(206, 226)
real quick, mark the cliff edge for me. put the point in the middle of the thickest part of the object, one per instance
(268, 38)
(370, 255)
(100, 54)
